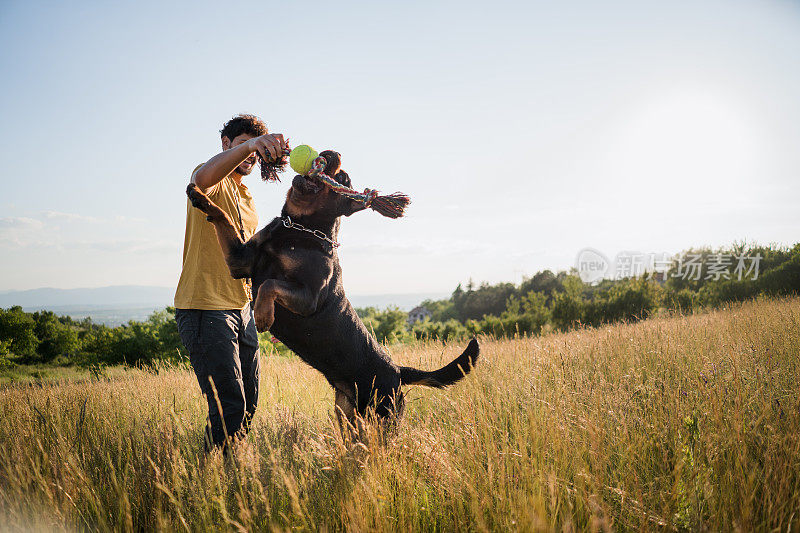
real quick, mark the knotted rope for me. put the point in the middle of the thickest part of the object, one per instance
(271, 168)
(391, 205)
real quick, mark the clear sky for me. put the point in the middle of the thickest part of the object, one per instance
(522, 131)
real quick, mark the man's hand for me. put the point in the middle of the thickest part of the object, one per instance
(270, 146)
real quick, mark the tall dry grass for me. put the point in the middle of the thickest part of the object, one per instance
(674, 423)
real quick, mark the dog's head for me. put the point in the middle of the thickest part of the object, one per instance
(310, 196)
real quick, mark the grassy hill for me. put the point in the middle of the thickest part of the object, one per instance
(687, 422)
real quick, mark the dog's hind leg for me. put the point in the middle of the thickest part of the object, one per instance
(351, 425)
(344, 407)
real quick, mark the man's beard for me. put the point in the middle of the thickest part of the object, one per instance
(239, 170)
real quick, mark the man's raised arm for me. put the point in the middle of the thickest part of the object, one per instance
(270, 146)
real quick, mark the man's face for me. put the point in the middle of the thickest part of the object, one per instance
(247, 165)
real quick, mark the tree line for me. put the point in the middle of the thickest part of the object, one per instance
(44, 337)
(560, 301)
(547, 301)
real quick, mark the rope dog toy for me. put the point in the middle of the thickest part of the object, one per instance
(305, 161)
(270, 169)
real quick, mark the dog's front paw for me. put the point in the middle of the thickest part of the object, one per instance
(198, 199)
(263, 324)
(201, 202)
(265, 316)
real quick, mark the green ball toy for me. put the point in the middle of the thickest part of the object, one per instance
(301, 158)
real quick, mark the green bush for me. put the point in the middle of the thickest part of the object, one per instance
(18, 328)
(388, 325)
(683, 300)
(56, 337)
(444, 331)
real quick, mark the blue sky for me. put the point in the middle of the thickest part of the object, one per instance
(523, 131)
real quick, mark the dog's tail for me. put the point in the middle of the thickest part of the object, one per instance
(448, 374)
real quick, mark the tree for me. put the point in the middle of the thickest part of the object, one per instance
(18, 329)
(55, 336)
(567, 308)
(388, 325)
(544, 282)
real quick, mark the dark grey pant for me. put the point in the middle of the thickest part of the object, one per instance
(223, 350)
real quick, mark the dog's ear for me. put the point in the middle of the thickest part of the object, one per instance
(334, 162)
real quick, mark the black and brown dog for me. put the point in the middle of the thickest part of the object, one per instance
(293, 263)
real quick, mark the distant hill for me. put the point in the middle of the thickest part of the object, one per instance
(406, 302)
(119, 304)
(115, 296)
(111, 306)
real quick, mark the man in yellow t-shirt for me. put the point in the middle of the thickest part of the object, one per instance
(213, 310)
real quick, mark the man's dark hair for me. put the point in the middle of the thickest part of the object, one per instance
(240, 124)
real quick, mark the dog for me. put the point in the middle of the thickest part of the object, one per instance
(300, 298)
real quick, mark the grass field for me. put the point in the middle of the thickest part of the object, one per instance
(34, 375)
(672, 423)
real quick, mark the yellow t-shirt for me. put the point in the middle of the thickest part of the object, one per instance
(205, 281)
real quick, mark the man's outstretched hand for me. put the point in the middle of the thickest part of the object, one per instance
(271, 146)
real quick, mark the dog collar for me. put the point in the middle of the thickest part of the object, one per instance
(321, 235)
